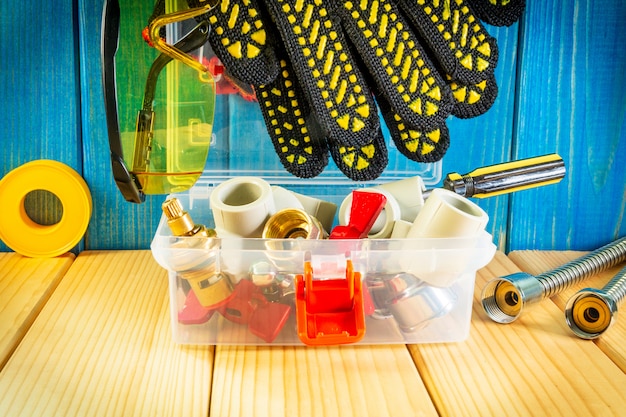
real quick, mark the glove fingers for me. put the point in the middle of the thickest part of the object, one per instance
(335, 88)
(460, 42)
(474, 99)
(428, 145)
(498, 12)
(240, 40)
(361, 163)
(285, 110)
(402, 71)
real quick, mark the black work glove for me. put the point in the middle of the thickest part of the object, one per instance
(316, 66)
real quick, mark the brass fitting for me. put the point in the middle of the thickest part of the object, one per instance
(211, 288)
(199, 265)
(180, 221)
(293, 224)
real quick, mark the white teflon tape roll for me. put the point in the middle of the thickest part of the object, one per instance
(383, 226)
(241, 206)
(447, 214)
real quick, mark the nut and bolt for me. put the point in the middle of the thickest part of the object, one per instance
(503, 298)
(590, 312)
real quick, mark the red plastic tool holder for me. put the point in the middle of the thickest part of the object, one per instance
(329, 311)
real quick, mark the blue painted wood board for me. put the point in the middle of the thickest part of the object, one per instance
(561, 77)
(39, 90)
(572, 80)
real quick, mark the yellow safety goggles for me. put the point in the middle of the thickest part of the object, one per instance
(163, 148)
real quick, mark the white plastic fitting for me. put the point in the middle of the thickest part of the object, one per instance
(408, 193)
(241, 206)
(323, 211)
(401, 229)
(447, 214)
(404, 200)
(285, 199)
(383, 226)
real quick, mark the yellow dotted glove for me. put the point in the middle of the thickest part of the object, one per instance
(323, 68)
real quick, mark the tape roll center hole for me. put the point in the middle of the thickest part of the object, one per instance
(43, 207)
(242, 194)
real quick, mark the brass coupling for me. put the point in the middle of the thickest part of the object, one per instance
(293, 224)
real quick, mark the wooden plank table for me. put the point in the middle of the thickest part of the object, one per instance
(101, 345)
(25, 286)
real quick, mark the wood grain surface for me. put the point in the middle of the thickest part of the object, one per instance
(39, 91)
(571, 64)
(326, 381)
(25, 286)
(102, 346)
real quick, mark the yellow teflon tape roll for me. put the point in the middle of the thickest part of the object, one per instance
(29, 238)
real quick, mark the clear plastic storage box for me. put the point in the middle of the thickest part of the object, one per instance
(255, 291)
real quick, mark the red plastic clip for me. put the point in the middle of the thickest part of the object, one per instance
(364, 211)
(268, 320)
(250, 307)
(329, 311)
(244, 301)
(193, 312)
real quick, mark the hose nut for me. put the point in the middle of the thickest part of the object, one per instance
(416, 303)
(504, 298)
(590, 312)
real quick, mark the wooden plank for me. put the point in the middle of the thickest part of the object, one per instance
(25, 286)
(39, 91)
(572, 66)
(533, 366)
(102, 345)
(325, 381)
(613, 341)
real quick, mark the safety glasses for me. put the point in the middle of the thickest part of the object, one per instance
(163, 147)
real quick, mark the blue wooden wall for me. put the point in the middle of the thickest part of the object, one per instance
(562, 79)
